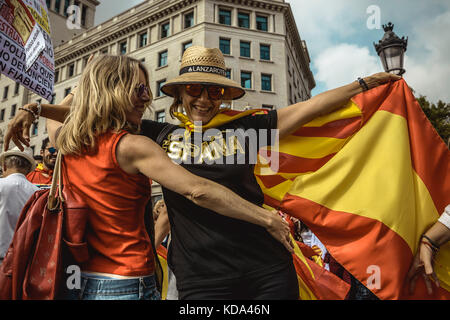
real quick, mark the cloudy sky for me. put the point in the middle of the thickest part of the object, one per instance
(340, 36)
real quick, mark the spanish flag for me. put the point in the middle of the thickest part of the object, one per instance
(368, 180)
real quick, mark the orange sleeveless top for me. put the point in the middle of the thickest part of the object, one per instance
(116, 234)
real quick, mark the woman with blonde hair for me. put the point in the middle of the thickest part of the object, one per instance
(109, 167)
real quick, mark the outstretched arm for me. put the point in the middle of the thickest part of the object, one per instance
(293, 117)
(138, 154)
(19, 127)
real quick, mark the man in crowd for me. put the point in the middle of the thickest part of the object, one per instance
(42, 176)
(15, 190)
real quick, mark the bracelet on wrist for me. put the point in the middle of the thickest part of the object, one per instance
(30, 112)
(363, 84)
(432, 242)
(429, 245)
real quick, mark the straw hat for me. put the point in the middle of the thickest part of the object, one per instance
(205, 66)
(27, 154)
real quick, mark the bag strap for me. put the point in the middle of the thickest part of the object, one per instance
(56, 182)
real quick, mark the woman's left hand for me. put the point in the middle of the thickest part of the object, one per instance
(422, 266)
(19, 129)
(380, 78)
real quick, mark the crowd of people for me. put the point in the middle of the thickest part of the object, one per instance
(221, 243)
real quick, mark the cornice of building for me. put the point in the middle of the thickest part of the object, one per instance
(300, 45)
(119, 26)
(267, 5)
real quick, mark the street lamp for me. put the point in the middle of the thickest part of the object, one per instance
(391, 50)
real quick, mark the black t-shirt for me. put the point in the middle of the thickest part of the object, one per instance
(205, 245)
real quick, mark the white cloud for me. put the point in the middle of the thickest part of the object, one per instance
(344, 63)
(320, 22)
(340, 44)
(429, 73)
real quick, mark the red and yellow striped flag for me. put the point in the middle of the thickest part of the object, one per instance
(368, 180)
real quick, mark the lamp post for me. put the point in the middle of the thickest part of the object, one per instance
(391, 50)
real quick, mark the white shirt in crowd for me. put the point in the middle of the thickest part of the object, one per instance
(445, 217)
(15, 190)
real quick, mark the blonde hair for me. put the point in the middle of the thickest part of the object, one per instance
(100, 102)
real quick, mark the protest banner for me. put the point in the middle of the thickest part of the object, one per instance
(26, 49)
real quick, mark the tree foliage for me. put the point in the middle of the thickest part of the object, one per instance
(439, 116)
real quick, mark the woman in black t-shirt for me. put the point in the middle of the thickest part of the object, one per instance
(214, 257)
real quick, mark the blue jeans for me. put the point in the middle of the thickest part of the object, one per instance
(101, 288)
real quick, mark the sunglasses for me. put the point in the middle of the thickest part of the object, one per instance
(196, 90)
(52, 150)
(141, 89)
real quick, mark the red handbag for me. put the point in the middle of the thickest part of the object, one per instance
(48, 238)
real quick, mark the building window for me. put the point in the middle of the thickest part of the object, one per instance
(52, 101)
(264, 50)
(243, 20)
(34, 130)
(225, 46)
(16, 89)
(85, 61)
(228, 73)
(161, 116)
(103, 51)
(13, 111)
(56, 75)
(143, 39)
(246, 79)
(5, 93)
(67, 91)
(2, 115)
(83, 15)
(123, 47)
(165, 30)
(186, 45)
(261, 23)
(49, 4)
(290, 94)
(266, 82)
(71, 70)
(225, 17)
(159, 85)
(245, 49)
(188, 20)
(162, 59)
(66, 6)
(57, 5)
